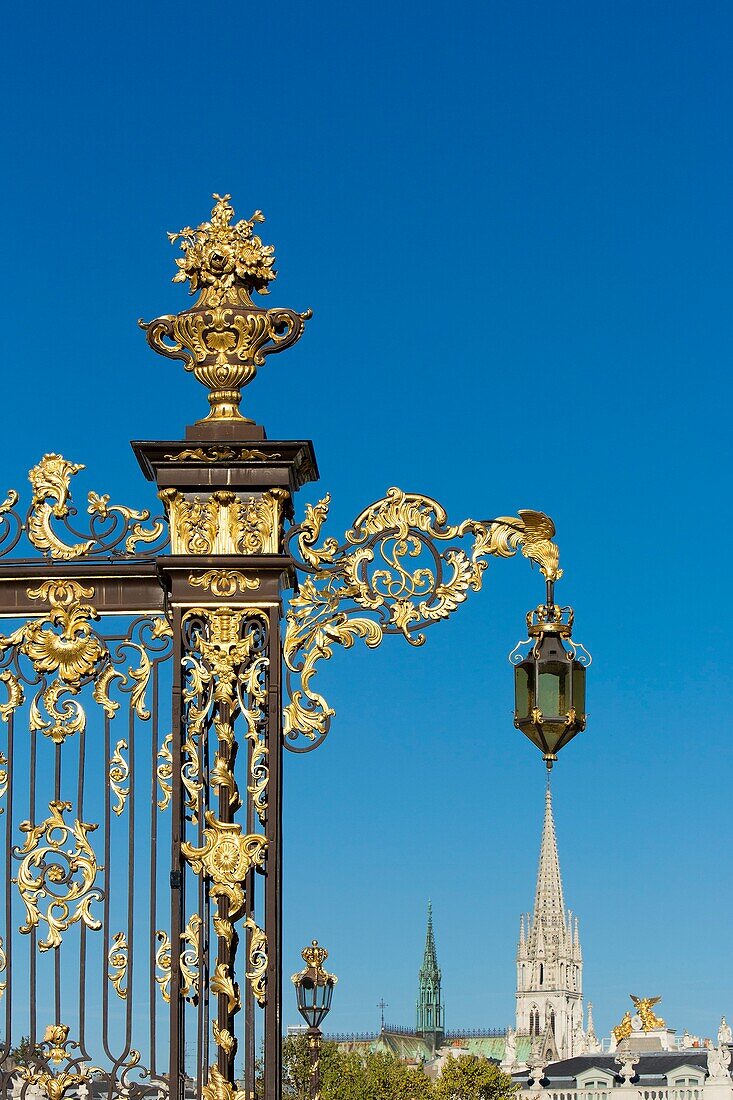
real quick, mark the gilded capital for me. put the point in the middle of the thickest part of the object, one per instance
(224, 337)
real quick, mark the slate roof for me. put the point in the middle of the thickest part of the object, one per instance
(649, 1065)
(651, 1068)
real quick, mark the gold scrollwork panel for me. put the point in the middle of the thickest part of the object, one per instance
(65, 877)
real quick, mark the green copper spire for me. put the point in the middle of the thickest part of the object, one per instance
(430, 1011)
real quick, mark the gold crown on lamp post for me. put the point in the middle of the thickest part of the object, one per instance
(314, 957)
(224, 337)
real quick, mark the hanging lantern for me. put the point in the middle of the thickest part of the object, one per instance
(549, 680)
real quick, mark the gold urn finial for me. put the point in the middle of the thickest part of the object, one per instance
(224, 337)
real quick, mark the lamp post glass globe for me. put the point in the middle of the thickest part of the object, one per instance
(314, 986)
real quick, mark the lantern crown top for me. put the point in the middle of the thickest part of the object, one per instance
(314, 957)
(220, 258)
(548, 618)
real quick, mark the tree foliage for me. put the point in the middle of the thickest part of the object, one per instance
(25, 1053)
(472, 1078)
(381, 1076)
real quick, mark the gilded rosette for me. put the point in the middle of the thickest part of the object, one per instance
(224, 337)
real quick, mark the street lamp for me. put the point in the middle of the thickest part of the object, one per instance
(314, 990)
(549, 679)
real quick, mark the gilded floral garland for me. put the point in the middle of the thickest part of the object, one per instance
(226, 670)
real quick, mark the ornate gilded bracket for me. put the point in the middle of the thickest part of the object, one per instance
(224, 337)
(390, 576)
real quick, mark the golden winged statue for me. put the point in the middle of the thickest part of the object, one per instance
(644, 1005)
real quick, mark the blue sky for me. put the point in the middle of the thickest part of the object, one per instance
(513, 223)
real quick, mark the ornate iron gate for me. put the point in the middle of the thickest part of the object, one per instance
(143, 723)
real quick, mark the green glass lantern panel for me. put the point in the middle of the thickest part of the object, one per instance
(552, 696)
(579, 689)
(522, 691)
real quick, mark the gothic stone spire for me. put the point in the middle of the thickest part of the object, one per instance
(549, 905)
(549, 958)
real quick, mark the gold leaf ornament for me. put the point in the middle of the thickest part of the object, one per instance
(224, 1038)
(51, 484)
(118, 961)
(222, 984)
(164, 772)
(119, 774)
(163, 964)
(62, 644)
(223, 582)
(189, 959)
(55, 1049)
(258, 961)
(218, 1088)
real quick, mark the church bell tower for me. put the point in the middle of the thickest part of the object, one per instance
(430, 1011)
(549, 960)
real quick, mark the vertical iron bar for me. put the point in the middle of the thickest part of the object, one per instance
(107, 887)
(82, 927)
(154, 739)
(273, 877)
(8, 1043)
(57, 952)
(177, 1037)
(33, 977)
(130, 883)
(247, 998)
